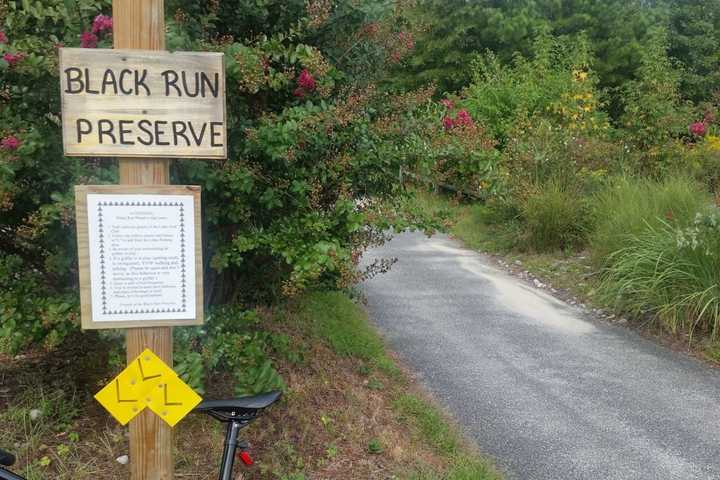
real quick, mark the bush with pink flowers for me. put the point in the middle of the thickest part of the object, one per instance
(310, 182)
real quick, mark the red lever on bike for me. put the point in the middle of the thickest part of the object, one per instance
(246, 459)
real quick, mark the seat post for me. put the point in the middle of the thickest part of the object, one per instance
(231, 443)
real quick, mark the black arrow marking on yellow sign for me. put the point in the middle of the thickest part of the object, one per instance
(170, 404)
(143, 373)
(117, 392)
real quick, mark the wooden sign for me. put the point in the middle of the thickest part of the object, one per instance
(140, 255)
(142, 103)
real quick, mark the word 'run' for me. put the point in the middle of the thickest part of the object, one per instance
(135, 82)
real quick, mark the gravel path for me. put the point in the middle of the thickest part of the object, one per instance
(546, 392)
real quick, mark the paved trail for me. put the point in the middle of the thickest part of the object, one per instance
(548, 393)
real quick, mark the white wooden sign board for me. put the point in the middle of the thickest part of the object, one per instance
(138, 256)
(137, 103)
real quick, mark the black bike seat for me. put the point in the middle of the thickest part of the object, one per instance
(6, 459)
(241, 406)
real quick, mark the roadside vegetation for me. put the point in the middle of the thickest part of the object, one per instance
(598, 173)
(581, 141)
(311, 181)
(349, 410)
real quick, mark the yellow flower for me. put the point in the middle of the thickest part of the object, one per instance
(580, 75)
(713, 142)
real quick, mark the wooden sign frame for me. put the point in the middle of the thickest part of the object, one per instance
(81, 209)
(143, 103)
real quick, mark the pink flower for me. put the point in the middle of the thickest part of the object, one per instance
(13, 58)
(102, 23)
(698, 129)
(406, 39)
(299, 92)
(88, 40)
(446, 103)
(306, 81)
(448, 123)
(463, 118)
(11, 142)
(3, 37)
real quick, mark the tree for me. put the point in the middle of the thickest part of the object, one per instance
(456, 30)
(694, 40)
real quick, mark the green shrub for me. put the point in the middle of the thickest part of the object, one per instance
(281, 214)
(556, 84)
(555, 217)
(629, 206)
(451, 151)
(654, 112)
(232, 341)
(703, 162)
(672, 273)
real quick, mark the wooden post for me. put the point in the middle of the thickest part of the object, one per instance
(140, 24)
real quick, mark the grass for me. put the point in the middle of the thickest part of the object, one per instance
(629, 205)
(344, 326)
(340, 417)
(555, 218)
(470, 223)
(443, 437)
(646, 271)
(679, 286)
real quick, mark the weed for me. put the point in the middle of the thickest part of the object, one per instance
(375, 384)
(331, 452)
(375, 447)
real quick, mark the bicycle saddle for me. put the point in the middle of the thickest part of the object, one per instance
(6, 459)
(238, 407)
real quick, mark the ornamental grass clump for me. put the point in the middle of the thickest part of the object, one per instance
(670, 273)
(555, 217)
(630, 206)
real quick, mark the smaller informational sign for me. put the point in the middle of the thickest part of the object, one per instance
(148, 382)
(140, 255)
(136, 103)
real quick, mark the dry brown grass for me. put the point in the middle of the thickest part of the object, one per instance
(336, 405)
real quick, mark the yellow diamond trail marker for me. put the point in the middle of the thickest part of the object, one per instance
(148, 383)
